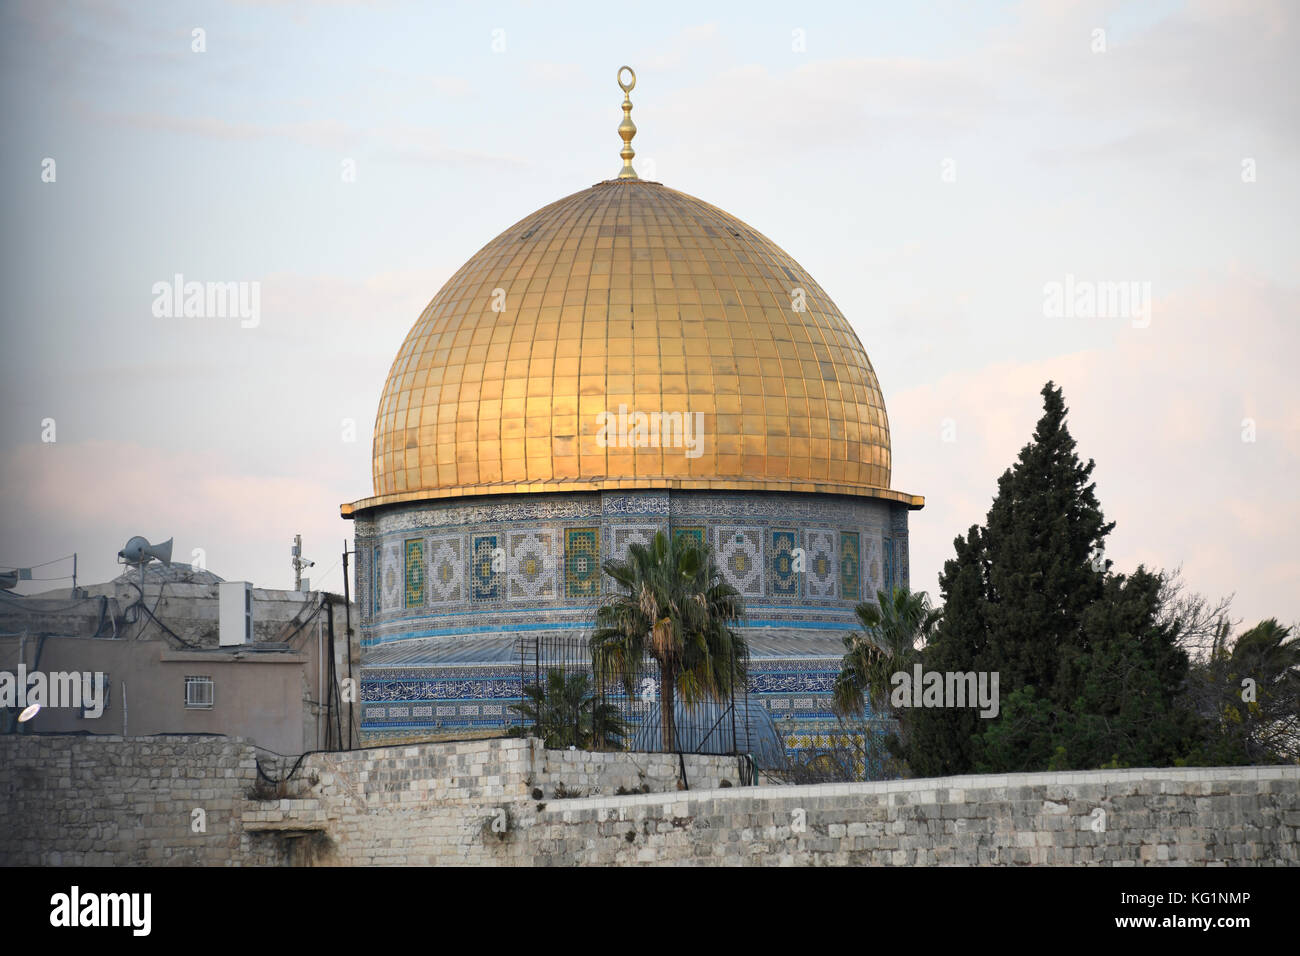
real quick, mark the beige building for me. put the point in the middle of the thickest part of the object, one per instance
(196, 656)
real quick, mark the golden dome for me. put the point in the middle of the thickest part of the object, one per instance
(527, 371)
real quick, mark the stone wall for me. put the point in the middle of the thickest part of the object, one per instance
(466, 802)
(1211, 817)
(115, 801)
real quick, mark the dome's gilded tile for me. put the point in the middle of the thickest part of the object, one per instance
(631, 305)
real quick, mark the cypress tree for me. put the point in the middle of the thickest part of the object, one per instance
(1086, 674)
(1044, 528)
(1122, 695)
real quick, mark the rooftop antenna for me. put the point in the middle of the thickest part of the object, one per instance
(299, 563)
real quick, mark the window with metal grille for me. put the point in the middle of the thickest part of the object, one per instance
(199, 692)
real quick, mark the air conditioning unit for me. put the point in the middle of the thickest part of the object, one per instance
(236, 613)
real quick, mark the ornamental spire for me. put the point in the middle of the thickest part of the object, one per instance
(627, 129)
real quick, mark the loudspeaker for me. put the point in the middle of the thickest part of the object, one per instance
(138, 551)
(163, 552)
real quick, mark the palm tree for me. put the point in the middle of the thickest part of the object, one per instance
(564, 712)
(1264, 726)
(893, 632)
(673, 606)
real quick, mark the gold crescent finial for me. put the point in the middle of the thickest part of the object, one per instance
(627, 129)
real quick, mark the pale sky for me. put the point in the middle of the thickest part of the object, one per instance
(935, 167)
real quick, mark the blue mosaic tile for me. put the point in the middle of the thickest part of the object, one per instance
(785, 578)
(414, 596)
(582, 570)
(446, 569)
(485, 575)
(850, 566)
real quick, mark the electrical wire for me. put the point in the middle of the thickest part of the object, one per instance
(301, 757)
(329, 570)
(292, 770)
(140, 604)
(299, 628)
(189, 644)
(15, 567)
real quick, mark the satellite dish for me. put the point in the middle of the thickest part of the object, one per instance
(139, 551)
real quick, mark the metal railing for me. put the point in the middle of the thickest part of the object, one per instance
(568, 701)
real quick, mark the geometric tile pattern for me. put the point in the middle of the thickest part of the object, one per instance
(627, 535)
(798, 587)
(871, 566)
(531, 565)
(850, 567)
(785, 575)
(446, 570)
(441, 698)
(484, 572)
(581, 562)
(821, 565)
(739, 556)
(887, 567)
(901, 571)
(391, 580)
(414, 573)
(613, 514)
(482, 566)
(695, 533)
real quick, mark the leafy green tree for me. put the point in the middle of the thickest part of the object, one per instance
(1045, 533)
(1119, 698)
(1126, 686)
(673, 606)
(1248, 693)
(564, 712)
(1024, 738)
(1091, 672)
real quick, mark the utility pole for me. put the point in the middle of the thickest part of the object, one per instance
(299, 563)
